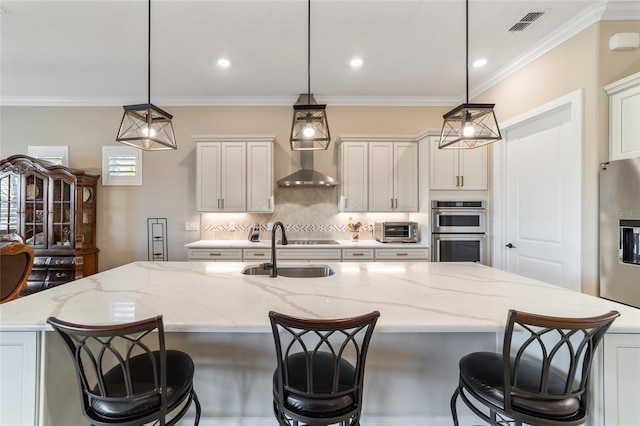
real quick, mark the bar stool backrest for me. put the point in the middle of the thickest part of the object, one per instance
(562, 347)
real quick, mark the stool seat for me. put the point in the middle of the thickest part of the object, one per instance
(321, 401)
(484, 373)
(179, 380)
(542, 375)
(319, 374)
(121, 380)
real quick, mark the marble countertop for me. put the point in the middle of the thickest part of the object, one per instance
(218, 244)
(216, 297)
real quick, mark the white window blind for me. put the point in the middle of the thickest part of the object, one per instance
(121, 165)
(53, 154)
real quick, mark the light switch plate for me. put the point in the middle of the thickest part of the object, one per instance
(191, 226)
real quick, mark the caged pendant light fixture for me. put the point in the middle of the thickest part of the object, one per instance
(146, 126)
(310, 129)
(469, 126)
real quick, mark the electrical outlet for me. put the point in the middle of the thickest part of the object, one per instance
(192, 226)
(269, 226)
(232, 226)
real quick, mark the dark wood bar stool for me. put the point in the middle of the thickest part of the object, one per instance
(16, 261)
(320, 370)
(542, 375)
(125, 374)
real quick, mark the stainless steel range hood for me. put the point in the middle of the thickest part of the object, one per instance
(306, 176)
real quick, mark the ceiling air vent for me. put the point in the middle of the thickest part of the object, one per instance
(527, 20)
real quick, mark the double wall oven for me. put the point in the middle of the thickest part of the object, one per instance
(458, 231)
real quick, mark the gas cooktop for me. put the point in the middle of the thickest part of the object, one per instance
(310, 242)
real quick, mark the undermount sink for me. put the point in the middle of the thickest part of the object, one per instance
(293, 271)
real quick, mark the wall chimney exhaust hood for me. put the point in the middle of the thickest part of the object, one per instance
(306, 176)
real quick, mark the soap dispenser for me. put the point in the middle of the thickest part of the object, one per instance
(254, 234)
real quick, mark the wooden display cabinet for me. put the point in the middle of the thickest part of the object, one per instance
(53, 207)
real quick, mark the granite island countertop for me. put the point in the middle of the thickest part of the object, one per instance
(216, 297)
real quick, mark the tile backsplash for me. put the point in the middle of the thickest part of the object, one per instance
(310, 213)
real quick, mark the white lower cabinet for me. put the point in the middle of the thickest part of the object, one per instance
(357, 255)
(216, 255)
(19, 355)
(256, 254)
(621, 379)
(309, 255)
(398, 254)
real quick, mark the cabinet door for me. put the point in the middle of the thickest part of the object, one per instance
(353, 176)
(405, 172)
(10, 185)
(381, 177)
(473, 168)
(62, 200)
(443, 167)
(35, 212)
(208, 196)
(233, 176)
(259, 177)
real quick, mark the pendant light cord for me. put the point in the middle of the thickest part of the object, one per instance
(309, 52)
(149, 56)
(467, 45)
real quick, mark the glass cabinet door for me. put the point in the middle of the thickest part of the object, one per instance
(9, 203)
(35, 208)
(61, 215)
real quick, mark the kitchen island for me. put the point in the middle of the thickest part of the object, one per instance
(431, 315)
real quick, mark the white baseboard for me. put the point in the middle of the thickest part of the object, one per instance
(366, 421)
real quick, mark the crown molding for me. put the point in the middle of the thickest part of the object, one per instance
(229, 101)
(622, 11)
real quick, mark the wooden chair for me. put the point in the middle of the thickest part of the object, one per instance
(16, 261)
(542, 375)
(320, 371)
(121, 378)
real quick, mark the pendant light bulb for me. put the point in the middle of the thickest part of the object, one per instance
(468, 129)
(149, 132)
(308, 131)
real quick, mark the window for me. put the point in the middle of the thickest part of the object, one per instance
(53, 154)
(121, 165)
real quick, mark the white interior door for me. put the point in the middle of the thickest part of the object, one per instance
(542, 210)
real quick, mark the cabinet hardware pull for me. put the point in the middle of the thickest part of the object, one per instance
(258, 254)
(392, 203)
(346, 203)
(218, 202)
(402, 254)
(457, 181)
(269, 202)
(223, 204)
(215, 254)
(396, 206)
(461, 180)
(357, 254)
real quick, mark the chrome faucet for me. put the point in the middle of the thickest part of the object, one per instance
(273, 269)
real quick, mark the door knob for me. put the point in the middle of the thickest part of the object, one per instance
(510, 245)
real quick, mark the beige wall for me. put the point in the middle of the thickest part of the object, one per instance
(169, 177)
(583, 62)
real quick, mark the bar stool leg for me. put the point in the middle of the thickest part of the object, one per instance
(454, 412)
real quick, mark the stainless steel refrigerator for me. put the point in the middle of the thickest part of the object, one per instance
(620, 231)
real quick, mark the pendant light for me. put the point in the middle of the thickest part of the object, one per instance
(469, 125)
(146, 126)
(310, 129)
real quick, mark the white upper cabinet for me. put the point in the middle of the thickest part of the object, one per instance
(377, 175)
(353, 168)
(457, 169)
(234, 174)
(260, 177)
(624, 117)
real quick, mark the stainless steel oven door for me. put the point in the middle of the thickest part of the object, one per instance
(459, 248)
(459, 220)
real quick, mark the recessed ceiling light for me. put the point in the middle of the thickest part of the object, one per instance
(479, 63)
(356, 62)
(224, 63)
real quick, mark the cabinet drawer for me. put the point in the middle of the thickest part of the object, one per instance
(59, 276)
(61, 262)
(357, 254)
(309, 254)
(256, 254)
(215, 254)
(402, 254)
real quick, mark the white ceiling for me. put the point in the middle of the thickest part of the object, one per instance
(94, 52)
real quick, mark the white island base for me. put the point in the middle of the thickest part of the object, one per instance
(431, 315)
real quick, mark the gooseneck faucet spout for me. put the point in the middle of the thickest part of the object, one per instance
(273, 269)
